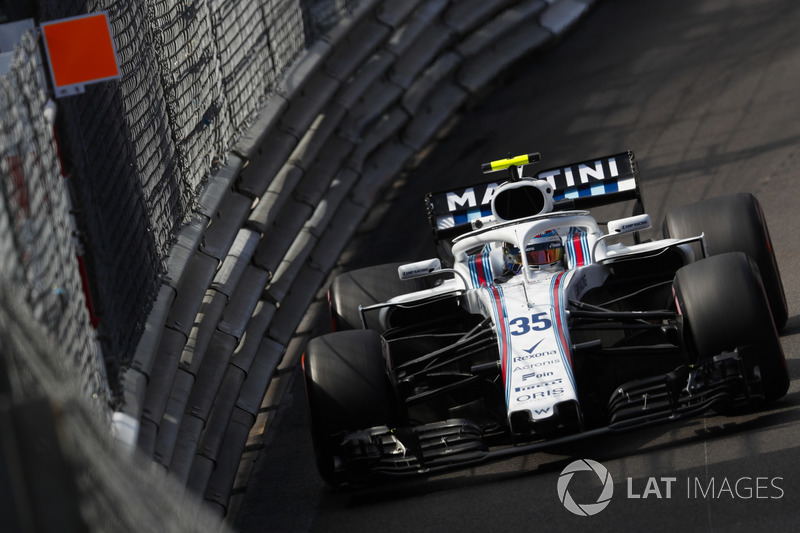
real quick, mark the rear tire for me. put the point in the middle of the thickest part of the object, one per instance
(347, 389)
(365, 287)
(724, 306)
(734, 223)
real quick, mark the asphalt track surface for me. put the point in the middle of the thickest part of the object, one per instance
(707, 94)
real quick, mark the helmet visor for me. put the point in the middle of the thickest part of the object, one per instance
(544, 257)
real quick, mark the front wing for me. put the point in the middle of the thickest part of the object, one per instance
(726, 381)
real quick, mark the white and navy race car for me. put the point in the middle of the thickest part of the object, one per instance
(537, 326)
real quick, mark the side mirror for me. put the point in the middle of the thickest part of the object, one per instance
(621, 227)
(629, 225)
(419, 269)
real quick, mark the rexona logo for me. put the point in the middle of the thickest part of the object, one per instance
(585, 509)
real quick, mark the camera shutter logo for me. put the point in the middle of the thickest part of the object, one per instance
(586, 509)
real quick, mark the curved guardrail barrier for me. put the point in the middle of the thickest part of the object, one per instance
(271, 224)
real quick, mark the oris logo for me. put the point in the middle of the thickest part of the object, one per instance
(585, 509)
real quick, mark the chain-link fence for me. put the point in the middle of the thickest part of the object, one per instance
(139, 150)
(36, 244)
(131, 159)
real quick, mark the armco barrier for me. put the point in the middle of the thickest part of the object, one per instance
(270, 226)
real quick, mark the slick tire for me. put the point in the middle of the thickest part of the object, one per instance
(365, 287)
(734, 223)
(347, 389)
(724, 306)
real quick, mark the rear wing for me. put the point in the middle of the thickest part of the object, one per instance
(583, 185)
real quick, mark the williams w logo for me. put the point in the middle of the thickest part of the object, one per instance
(585, 509)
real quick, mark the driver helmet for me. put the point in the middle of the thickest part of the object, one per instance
(545, 250)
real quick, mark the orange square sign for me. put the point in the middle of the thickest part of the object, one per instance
(80, 50)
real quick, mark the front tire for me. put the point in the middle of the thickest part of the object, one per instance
(734, 223)
(724, 306)
(347, 389)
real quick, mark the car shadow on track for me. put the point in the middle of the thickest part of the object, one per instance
(789, 341)
(792, 327)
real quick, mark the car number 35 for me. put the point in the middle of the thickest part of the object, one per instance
(537, 322)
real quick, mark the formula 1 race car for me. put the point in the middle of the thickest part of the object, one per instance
(535, 327)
